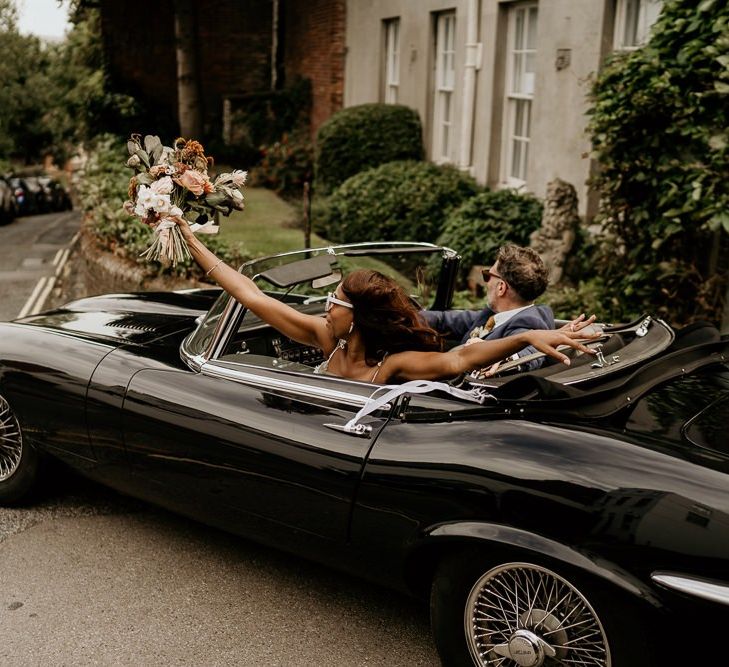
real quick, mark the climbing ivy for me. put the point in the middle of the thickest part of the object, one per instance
(660, 133)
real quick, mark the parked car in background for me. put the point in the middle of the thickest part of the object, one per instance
(38, 194)
(41, 196)
(55, 194)
(25, 199)
(8, 205)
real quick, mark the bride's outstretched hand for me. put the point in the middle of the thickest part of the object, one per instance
(548, 340)
(183, 224)
(579, 323)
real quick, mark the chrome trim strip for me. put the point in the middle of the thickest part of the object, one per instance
(194, 361)
(395, 245)
(305, 390)
(706, 589)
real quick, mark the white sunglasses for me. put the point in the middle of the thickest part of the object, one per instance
(331, 300)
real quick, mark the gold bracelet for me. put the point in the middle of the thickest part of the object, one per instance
(215, 266)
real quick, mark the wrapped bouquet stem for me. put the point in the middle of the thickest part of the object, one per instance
(174, 182)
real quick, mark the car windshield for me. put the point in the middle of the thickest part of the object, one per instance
(306, 276)
(415, 266)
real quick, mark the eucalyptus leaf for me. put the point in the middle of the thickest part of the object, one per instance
(150, 141)
(143, 157)
(156, 154)
(154, 147)
(215, 198)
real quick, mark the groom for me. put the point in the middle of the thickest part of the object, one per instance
(516, 279)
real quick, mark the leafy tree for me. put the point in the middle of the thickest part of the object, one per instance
(24, 92)
(84, 104)
(56, 96)
(660, 133)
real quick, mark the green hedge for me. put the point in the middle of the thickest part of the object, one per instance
(365, 136)
(486, 222)
(660, 134)
(398, 201)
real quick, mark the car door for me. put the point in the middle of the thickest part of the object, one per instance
(250, 448)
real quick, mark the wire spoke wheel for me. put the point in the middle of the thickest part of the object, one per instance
(523, 615)
(11, 441)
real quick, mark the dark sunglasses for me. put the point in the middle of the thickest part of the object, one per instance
(487, 275)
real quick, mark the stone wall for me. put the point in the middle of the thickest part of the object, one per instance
(91, 270)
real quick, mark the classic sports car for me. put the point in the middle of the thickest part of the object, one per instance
(564, 516)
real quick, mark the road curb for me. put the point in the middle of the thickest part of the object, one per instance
(42, 290)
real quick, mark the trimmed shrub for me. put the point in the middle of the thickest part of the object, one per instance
(484, 223)
(398, 201)
(364, 136)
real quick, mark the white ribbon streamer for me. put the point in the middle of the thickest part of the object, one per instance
(392, 392)
(168, 223)
(208, 228)
(164, 223)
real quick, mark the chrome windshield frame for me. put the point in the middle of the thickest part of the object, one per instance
(196, 359)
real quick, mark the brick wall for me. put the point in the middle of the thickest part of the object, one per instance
(234, 51)
(314, 48)
(233, 47)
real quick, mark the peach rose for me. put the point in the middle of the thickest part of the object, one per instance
(195, 182)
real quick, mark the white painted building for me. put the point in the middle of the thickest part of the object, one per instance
(501, 85)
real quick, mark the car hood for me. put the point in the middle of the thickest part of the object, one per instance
(138, 318)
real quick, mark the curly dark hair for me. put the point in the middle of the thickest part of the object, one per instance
(524, 270)
(386, 317)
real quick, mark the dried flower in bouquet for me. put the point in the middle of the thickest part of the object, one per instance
(174, 182)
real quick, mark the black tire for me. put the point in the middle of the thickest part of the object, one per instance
(469, 578)
(18, 459)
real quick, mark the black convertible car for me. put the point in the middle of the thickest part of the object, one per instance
(565, 516)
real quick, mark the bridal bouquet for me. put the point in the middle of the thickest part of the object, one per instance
(174, 182)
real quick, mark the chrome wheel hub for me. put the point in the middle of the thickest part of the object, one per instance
(11, 443)
(524, 648)
(521, 615)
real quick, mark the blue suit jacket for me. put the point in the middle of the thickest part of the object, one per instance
(460, 323)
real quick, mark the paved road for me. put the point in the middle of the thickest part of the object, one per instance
(28, 247)
(88, 577)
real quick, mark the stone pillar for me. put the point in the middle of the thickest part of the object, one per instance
(560, 221)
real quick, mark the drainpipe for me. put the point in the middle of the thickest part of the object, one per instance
(473, 63)
(274, 44)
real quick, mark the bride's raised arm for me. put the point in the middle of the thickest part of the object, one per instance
(306, 329)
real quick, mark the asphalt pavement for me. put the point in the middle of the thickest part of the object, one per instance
(88, 577)
(31, 252)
